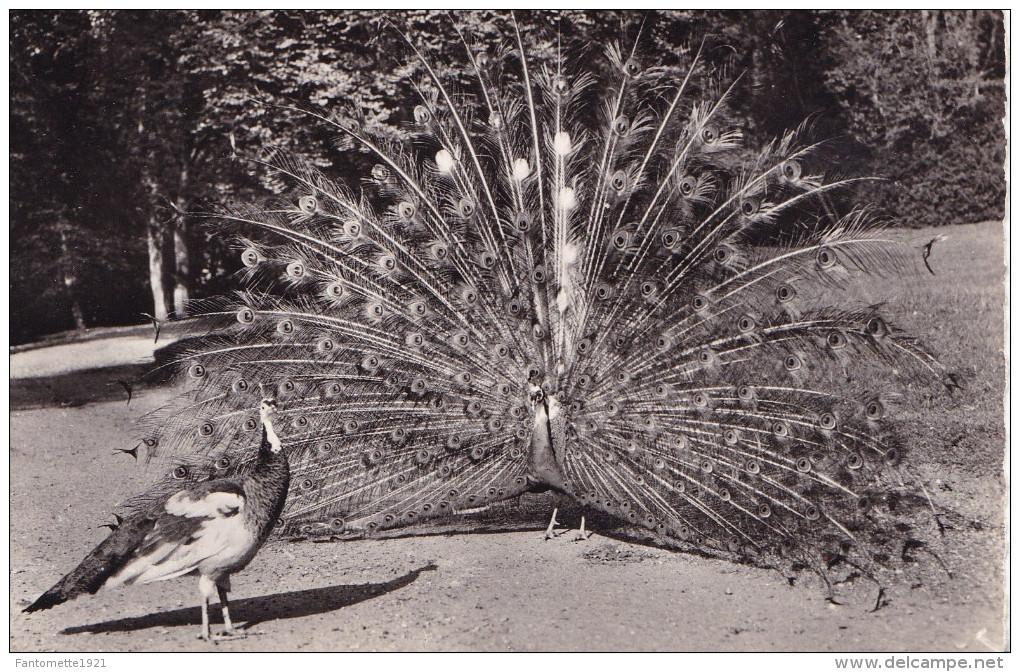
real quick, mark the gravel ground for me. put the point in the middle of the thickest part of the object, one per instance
(507, 591)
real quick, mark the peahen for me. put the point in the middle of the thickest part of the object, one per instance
(568, 278)
(213, 528)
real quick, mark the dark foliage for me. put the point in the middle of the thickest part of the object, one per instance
(118, 118)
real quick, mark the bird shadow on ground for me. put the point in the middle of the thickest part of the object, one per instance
(77, 388)
(254, 610)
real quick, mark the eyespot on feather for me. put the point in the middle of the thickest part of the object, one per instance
(251, 257)
(466, 207)
(632, 67)
(750, 207)
(792, 170)
(406, 210)
(836, 340)
(422, 115)
(352, 229)
(877, 328)
(618, 181)
(687, 185)
(785, 293)
(825, 258)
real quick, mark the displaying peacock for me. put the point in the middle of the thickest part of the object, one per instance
(570, 277)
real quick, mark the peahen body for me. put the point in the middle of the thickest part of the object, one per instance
(568, 280)
(213, 529)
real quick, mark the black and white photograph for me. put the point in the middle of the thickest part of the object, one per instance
(678, 331)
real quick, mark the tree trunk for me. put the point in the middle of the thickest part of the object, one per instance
(155, 239)
(182, 267)
(70, 281)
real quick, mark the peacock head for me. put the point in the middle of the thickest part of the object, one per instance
(268, 410)
(536, 394)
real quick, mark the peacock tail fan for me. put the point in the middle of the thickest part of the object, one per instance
(590, 227)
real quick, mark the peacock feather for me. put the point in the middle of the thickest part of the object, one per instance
(570, 276)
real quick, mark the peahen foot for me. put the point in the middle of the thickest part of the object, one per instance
(227, 635)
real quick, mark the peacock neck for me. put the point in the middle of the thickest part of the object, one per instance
(544, 472)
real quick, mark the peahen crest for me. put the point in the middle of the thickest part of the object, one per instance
(571, 276)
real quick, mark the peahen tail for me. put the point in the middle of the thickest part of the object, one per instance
(104, 561)
(568, 278)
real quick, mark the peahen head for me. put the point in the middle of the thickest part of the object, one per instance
(268, 414)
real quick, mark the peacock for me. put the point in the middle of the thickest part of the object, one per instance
(568, 277)
(213, 528)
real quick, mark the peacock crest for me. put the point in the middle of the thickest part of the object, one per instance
(573, 276)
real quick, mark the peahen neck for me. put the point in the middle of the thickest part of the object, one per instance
(267, 485)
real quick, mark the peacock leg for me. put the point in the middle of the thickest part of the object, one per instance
(549, 531)
(582, 535)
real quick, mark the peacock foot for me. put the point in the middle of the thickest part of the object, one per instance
(550, 531)
(582, 534)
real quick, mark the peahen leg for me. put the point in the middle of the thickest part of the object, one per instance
(223, 587)
(205, 587)
(228, 627)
